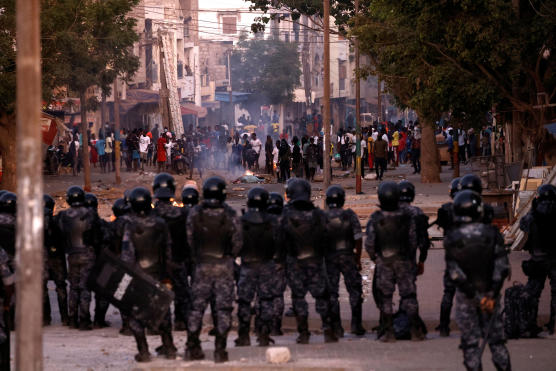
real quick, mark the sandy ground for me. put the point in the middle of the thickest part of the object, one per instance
(105, 349)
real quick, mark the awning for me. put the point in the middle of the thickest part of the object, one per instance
(192, 109)
(237, 96)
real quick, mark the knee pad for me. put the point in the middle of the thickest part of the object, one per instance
(469, 345)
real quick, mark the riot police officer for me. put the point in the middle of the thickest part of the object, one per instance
(214, 234)
(473, 183)
(55, 268)
(101, 304)
(256, 276)
(275, 207)
(478, 263)
(445, 220)
(7, 287)
(391, 239)
(8, 209)
(538, 225)
(81, 229)
(164, 189)
(303, 228)
(344, 257)
(146, 240)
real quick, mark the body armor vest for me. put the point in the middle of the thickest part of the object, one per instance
(149, 243)
(7, 234)
(445, 218)
(304, 230)
(212, 235)
(77, 225)
(540, 240)
(339, 232)
(392, 236)
(258, 237)
(472, 248)
(174, 217)
(51, 241)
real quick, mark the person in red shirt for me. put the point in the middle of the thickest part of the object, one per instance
(161, 153)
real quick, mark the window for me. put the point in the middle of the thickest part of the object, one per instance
(342, 74)
(296, 31)
(229, 25)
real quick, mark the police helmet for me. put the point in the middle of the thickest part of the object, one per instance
(454, 187)
(120, 207)
(407, 191)
(257, 198)
(468, 207)
(471, 182)
(389, 196)
(335, 196)
(8, 203)
(91, 201)
(275, 203)
(544, 204)
(127, 193)
(546, 192)
(164, 186)
(189, 197)
(2, 192)
(140, 200)
(48, 203)
(75, 196)
(298, 189)
(214, 190)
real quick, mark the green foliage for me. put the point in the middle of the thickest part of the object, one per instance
(83, 43)
(269, 69)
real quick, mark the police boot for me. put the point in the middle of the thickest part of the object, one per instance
(336, 326)
(480, 368)
(143, 348)
(220, 354)
(125, 330)
(100, 314)
(303, 329)
(356, 319)
(63, 307)
(332, 328)
(416, 330)
(277, 327)
(444, 327)
(264, 339)
(388, 326)
(167, 349)
(85, 324)
(243, 339)
(193, 351)
(179, 325)
(73, 323)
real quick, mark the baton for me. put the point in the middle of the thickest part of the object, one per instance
(488, 329)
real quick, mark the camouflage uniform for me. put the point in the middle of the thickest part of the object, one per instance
(8, 278)
(256, 275)
(391, 239)
(445, 220)
(175, 218)
(214, 234)
(7, 236)
(343, 229)
(146, 243)
(80, 227)
(465, 247)
(542, 265)
(55, 269)
(303, 228)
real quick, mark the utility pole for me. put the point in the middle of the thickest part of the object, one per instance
(29, 239)
(117, 153)
(357, 112)
(379, 99)
(85, 142)
(230, 91)
(327, 176)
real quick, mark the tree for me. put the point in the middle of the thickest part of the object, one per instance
(268, 69)
(85, 43)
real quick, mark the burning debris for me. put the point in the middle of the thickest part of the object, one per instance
(249, 177)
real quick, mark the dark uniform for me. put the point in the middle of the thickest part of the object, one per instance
(6, 292)
(275, 207)
(80, 227)
(146, 243)
(214, 234)
(303, 228)
(55, 268)
(164, 189)
(538, 225)
(256, 275)
(478, 264)
(391, 239)
(8, 208)
(343, 257)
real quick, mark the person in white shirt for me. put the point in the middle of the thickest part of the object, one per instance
(144, 142)
(256, 144)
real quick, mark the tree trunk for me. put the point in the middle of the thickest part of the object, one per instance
(429, 154)
(8, 152)
(85, 144)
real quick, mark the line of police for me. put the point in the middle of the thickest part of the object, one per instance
(193, 249)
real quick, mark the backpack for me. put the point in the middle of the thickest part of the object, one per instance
(518, 312)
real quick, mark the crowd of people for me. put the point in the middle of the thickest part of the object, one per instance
(194, 249)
